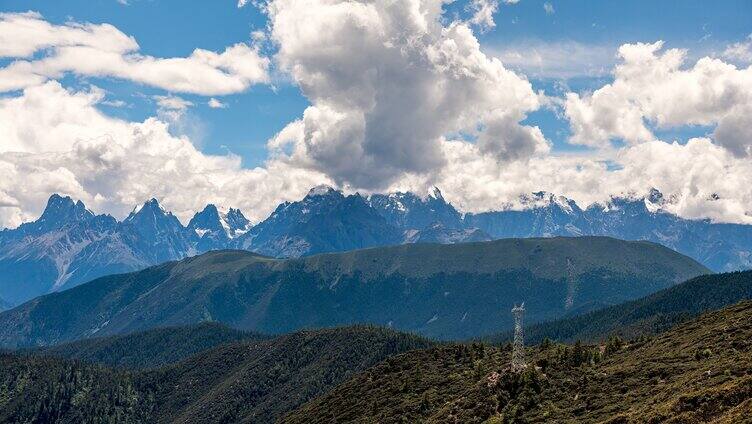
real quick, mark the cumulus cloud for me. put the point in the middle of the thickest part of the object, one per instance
(400, 99)
(704, 179)
(652, 88)
(56, 140)
(548, 8)
(387, 82)
(104, 51)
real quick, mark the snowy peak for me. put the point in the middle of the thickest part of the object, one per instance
(653, 202)
(544, 199)
(236, 222)
(150, 207)
(409, 211)
(207, 221)
(151, 217)
(223, 225)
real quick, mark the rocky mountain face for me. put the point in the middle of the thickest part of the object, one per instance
(325, 220)
(215, 230)
(69, 244)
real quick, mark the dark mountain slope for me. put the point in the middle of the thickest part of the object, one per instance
(447, 291)
(36, 389)
(650, 314)
(257, 381)
(247, 381)
(697, 372)
(152, 348)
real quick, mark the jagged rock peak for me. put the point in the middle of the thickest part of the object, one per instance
(61, 210)
(322, 190)
(236, 220)
(435, 193)
(150, 207)
(654, 195)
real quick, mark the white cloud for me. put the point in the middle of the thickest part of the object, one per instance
(692, 173)
(55, 140)
(23, 34)
(395, 92)
(548, 8)
(216, 104)
(387, 82)
(242, 3)
(483, 13)
(172, 109)
(172, 103)
(740, 52)
(651, 87)
(103, 51)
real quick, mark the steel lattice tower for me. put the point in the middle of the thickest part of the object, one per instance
(518, 351)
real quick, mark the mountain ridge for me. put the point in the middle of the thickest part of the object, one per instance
(69, 244)
(438, 290)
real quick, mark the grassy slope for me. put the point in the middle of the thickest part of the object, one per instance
(446, 291)
(649, 315)
(151, 348)
(700, 371)
(254, 380)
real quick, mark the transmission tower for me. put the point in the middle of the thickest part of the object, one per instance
(518, 351)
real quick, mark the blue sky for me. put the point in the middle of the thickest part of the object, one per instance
(174, 28)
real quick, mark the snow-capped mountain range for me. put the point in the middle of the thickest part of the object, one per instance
(69, 244)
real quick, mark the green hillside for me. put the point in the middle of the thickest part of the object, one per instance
(648, 315)
(36, 389)
(698, 372)
(151, 348)
(441, 291)
(249, 381)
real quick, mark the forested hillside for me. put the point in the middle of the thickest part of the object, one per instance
(250, 381)
(698, 372)
(151, 348)
(442, 291)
